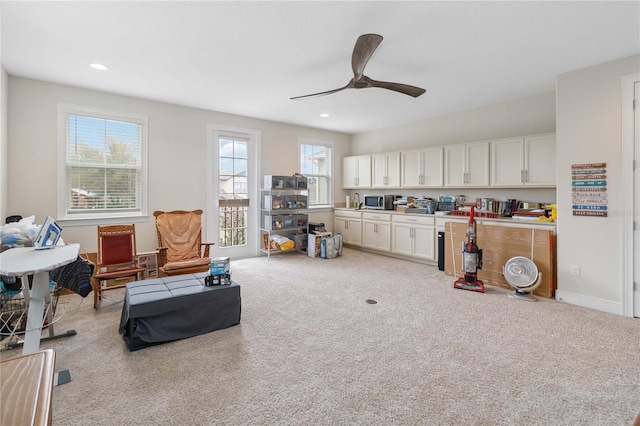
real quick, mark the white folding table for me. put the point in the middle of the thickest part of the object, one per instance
(24, 261)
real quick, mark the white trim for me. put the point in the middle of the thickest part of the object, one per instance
(628, 82)
(93, 221)
(590, 302)
(214, 131)
(84, 219)
(329, 144)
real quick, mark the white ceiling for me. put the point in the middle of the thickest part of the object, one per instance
(249, 58)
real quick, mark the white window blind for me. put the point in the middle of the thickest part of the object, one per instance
(315, 163)
(104, 165)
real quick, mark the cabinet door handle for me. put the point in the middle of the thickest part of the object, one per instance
(526, 175)
(521, 176)
(346, 225)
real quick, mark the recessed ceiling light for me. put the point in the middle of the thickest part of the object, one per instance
(99, 67)
(324, 115)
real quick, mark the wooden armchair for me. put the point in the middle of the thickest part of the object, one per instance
(116, 258)
(180, 246)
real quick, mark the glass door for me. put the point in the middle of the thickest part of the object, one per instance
(232, 224)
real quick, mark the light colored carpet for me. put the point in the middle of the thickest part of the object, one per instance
(310, 350)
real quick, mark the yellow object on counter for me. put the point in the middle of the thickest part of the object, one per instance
(544, 219)
(553, 217)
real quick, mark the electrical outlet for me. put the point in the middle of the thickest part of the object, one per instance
(575, 270)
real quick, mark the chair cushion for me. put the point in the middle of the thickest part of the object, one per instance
(181, 264)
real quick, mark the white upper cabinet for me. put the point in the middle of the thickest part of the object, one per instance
(540, 158)
(466, 165)
(356, 171)
(524, 161)
(422, 168)
(386, 170)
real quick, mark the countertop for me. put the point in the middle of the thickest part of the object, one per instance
(501, 220)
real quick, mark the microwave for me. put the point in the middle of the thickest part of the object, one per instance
(380, 202)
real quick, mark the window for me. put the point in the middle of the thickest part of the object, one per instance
(233, 194)
(316, 159)
(102, 164)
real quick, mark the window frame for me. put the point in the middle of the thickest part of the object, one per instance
(330, 146)
(88, 218)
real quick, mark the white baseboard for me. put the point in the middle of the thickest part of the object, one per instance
(590, 302)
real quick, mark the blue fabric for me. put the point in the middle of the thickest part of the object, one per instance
(76, 276)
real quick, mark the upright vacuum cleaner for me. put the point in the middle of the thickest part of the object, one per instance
(471, 260)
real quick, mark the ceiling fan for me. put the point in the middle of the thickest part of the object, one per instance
(362, 51)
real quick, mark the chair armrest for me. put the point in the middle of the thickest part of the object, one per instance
(206, 246)
(162, 256)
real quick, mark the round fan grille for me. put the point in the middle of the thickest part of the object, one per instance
(520, 272)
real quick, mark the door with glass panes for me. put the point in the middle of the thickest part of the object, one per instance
(233, 223)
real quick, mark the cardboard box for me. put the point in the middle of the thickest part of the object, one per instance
(499, 244)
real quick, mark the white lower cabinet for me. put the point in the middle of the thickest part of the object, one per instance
(349, 224)
(414, 236)
(376, 231)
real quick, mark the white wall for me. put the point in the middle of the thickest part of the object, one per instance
(530, 115)
(177, 152)
(588, 131)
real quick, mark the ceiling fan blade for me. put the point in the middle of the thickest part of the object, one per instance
(328, 92)
(362, 51)
(398, 87)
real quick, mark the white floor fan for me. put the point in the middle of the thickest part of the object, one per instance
(522, 274)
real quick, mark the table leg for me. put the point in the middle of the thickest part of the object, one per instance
(39, 290)
(37, 298)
